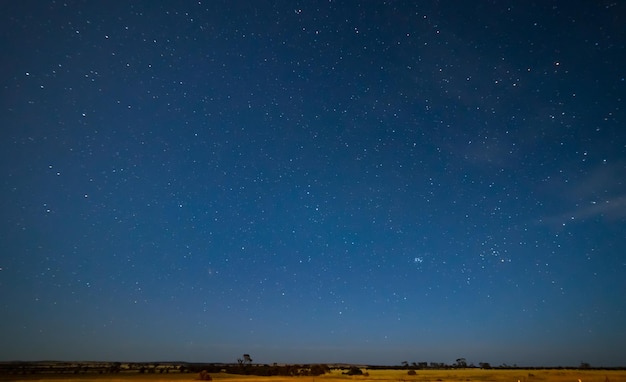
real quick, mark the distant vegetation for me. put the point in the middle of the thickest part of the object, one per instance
(244, 366)
(202, 369)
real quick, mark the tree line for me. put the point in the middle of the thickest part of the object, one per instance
(53, 367)
(244, 365)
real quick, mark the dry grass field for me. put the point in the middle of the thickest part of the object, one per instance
(454, 375)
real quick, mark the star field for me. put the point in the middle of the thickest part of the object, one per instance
(365, 182)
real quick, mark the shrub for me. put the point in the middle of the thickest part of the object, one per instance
(204, 376)
(354, 371)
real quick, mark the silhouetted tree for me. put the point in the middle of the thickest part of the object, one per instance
(354, 371)
(318, 370)
(247, 359)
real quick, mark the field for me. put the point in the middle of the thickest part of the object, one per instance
(454, 375)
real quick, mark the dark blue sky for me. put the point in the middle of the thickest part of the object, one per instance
(322, 181)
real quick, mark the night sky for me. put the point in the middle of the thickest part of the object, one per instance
(313, 181)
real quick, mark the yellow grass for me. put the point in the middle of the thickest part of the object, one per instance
(455, 375)
(492, 375)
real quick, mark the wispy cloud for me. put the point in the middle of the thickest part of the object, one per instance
(612, 209)
(600, 194)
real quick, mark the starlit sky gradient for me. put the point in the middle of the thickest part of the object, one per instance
(313, 181)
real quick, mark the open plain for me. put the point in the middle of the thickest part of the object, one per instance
(451, 375)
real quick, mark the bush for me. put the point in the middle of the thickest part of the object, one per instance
(411, 372)
(354, 371)
(204, 376)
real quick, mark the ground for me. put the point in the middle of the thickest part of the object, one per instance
(455, 375)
